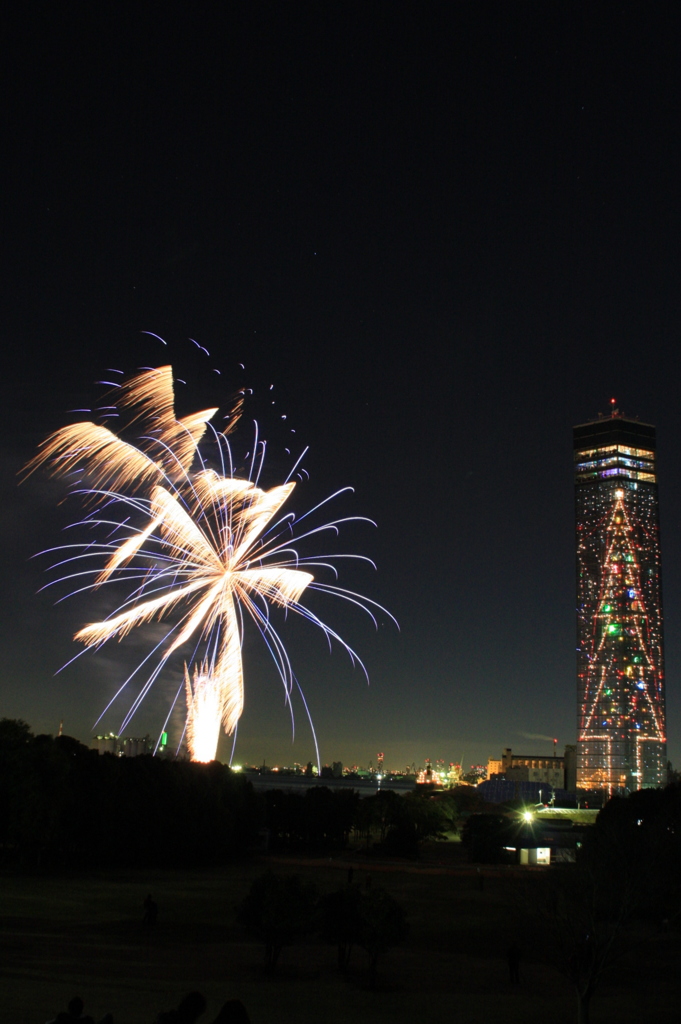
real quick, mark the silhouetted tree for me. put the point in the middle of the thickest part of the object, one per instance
(416, 816)
(485, 835)
(369, 918)
(646, 826)
(375, 814)
(279, 910)
(584, 916)
(15, 734)
(400, 823)
(382, 924)
(15, 739)
(318, 818)
(341, 921)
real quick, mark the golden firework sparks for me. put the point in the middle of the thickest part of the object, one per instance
(205, 548)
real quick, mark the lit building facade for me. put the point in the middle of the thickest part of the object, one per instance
(124, 746)
(533, 768)
(620, 661)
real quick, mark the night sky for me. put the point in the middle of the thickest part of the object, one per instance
(445, 233)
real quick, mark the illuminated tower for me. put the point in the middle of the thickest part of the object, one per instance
(620, 662)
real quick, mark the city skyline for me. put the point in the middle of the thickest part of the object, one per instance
(127, 745)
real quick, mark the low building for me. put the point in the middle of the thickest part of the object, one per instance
(500, 789)
(123, 746)
(533, 768)
(532, 839)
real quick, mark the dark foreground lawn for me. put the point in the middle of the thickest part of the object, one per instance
(63, 935)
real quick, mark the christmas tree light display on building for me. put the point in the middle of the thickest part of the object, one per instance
(620, 661)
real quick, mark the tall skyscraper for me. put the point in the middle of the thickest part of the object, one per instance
(620, 660)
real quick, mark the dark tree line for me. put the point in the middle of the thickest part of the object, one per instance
(387, 823)
(320, 818)
(397, 824)
(62, 804)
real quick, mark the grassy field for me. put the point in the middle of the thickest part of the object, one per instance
(61, 936)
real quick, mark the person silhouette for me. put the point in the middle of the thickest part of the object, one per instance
(232, 1012)
(150, 912)
(513, 960)
(73, 1014)
(188, 1011)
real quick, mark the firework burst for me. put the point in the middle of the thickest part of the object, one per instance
(194, 542)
